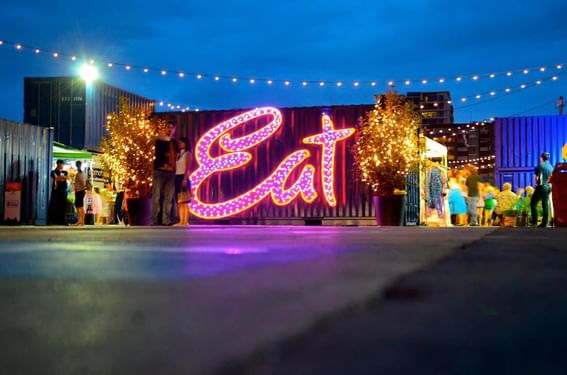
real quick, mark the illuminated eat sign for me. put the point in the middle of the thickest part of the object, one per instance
(237, 157)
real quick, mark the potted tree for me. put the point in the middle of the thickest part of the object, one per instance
(128, 153)
(386, 148)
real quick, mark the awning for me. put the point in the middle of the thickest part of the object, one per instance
(61, 151)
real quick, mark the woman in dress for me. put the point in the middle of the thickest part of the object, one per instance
(80, 187)
(182, 183)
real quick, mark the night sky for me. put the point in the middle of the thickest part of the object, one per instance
(296, 40)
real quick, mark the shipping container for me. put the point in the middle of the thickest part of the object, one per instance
(25, 157)
(519, 141)
(354, 200)
(76, 110)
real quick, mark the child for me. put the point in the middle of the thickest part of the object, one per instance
(489, 204)
(457, 204)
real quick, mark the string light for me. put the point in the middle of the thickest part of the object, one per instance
(472, 161)
(303, 83)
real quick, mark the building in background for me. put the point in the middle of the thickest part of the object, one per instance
(467, 144)
(75, 109)
(436, 107)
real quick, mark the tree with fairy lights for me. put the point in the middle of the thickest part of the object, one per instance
(128, 148)
(386, 144)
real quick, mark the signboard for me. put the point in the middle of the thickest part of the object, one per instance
(220, 150)
(12, 202)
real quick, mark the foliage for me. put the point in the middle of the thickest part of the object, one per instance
(387, 144)
(129, 147)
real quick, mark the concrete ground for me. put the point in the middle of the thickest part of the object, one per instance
(289, 300)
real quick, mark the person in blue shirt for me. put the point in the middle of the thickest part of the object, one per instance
(543, 188)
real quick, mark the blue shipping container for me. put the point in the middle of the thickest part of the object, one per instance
(519, 141)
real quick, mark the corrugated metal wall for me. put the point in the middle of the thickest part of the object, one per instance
(520, 140)
(354, 201)
(25, 156)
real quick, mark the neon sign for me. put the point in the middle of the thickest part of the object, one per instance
(274, 185)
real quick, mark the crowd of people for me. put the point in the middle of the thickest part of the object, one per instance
(74, 200)
(475, 203)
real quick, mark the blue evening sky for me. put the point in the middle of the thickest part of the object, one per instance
(296, 40)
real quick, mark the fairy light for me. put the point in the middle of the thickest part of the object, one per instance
(386, 144)
(128, 150)
(372, 83)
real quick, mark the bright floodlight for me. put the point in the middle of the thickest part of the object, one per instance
(89, 73)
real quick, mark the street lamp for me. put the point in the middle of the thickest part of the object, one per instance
(88, 73)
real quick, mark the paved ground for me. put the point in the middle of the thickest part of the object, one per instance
(284, 300)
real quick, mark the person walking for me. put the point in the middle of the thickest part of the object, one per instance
(543, 189)
(472, 183)
(58, 202)
(163, 175)
(80, 186)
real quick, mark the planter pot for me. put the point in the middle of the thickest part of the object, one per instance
(390, 210)
(139, 211)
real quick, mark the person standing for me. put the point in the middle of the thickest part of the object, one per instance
(472, 183)
(543, 189)
(58, 203)
(163, 175)
(560, 105)
(182, 183)
(80, 186)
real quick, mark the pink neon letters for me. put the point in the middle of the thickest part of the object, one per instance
(274, 185)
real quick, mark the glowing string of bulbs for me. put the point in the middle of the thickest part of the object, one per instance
(287, 82)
